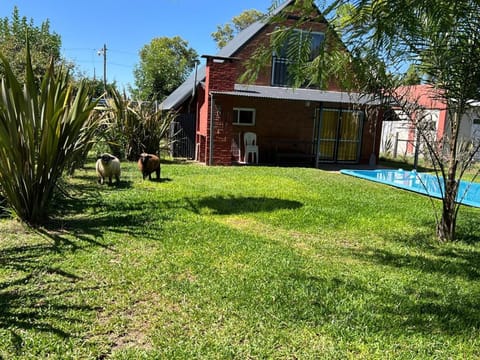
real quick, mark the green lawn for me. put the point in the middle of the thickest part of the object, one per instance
(241, 263)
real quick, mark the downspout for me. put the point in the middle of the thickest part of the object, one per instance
(210, 154)
(197, 140)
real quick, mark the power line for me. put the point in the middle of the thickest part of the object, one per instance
(121, 65)
(123, 52)
(76, 49)
(110, 50)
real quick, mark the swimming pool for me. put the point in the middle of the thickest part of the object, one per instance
(468, 192)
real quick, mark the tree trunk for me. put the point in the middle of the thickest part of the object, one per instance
(446, 226)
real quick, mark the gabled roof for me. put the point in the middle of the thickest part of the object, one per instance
(182, 93)
(244, 36)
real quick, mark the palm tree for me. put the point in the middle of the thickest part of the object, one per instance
(441, 38)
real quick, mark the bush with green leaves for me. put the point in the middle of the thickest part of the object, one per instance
(45, 127)
(135, 127)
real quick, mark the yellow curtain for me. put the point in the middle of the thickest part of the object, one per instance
(328, 134)
(349, 136)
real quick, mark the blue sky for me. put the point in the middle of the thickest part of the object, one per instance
(125, 26)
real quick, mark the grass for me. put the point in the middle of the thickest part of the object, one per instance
(408, 164)
(238, 263)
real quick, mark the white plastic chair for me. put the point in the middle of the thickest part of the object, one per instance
(251, 147)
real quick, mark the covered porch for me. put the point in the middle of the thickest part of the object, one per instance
(300, 127)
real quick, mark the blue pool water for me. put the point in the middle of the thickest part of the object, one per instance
(468, 192)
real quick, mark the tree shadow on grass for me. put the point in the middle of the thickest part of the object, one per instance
(75, 208)
(230, 205)
(428, 300)
(81, 215)
(91, 230)
(454, 263)
(134, 218)
(468, 229)
(36, 294)
(83, 221)
(424, 253)
(423, 305)
(422, 308)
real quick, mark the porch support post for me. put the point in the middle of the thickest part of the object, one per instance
(318, 120)
(373, 158)
(210, 139)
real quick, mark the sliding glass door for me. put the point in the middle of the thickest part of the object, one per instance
(328, 133)
(339, 135)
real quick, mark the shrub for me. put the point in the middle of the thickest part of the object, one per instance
(135, 127)
(45, 126)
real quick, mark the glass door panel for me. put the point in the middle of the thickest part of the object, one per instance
(339, 135)
(328, 134)
(349, 136)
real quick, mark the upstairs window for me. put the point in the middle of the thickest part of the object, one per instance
(298, 45)
(243, 116)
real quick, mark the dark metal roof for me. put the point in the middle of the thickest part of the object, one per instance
(182, 93)
(242, 37)
(282, 93)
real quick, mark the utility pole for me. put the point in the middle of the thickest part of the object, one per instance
(103, 51)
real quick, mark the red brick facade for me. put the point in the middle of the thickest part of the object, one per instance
(220, 76)
(280, 125)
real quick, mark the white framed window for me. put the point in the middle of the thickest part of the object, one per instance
(243, 116)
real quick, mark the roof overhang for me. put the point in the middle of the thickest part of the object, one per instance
(220, 58)
(284, 93)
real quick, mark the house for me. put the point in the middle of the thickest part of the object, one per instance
(425, 103)
(291, 125)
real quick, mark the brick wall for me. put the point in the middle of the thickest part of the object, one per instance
(280, 125)
(275, 119)
(220, 76)
(262, 40)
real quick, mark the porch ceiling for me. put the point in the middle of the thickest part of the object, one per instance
(282, 93)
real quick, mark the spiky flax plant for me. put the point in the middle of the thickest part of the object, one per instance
(44, 125)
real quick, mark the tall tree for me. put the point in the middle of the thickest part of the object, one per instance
(98, 87)
(227, 32)
(440, 37)
(164, 65)
(44, 44)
